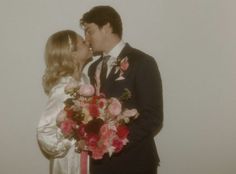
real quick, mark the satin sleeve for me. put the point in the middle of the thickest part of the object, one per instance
(49, 136)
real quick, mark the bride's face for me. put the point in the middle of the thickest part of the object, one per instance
(82, 53)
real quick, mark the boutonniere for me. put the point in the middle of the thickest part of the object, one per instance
(121, 65)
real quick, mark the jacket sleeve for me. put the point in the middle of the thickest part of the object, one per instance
(149, 101)
(49, 136)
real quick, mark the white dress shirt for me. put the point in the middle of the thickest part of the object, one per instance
(114, 53)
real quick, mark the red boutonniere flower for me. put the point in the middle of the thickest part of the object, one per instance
(122, 65)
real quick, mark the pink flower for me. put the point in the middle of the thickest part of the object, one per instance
(92, 140)
(128, 113)
(114, 107)
(86, 90)
(106, 134)
(67, 127)
(124, 64)
(98, 152)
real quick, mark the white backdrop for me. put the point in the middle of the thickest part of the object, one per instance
(194, 44)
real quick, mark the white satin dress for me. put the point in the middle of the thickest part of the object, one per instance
(60, 151)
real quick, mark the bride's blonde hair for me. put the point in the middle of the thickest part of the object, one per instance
(58, 58)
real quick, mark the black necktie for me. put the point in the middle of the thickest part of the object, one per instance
(103, 74)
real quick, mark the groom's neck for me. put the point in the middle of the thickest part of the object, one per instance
(111, 42)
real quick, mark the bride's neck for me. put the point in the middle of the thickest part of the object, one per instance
(78, 71)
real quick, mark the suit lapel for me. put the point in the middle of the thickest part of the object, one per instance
(113, 76)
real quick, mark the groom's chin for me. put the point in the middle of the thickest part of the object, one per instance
(97, 53)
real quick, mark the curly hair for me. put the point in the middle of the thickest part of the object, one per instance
(58, 58)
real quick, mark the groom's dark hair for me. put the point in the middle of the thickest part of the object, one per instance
(101, 15)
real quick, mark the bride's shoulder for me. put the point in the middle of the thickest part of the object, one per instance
(84, 79)
(61, 85)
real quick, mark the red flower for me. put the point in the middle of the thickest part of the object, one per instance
(118, 144)
(70, 113)
(102, 102)
(81, 131)
(92, 140)
(93, 126)
(122, 131)
(94, 99)
(93, 110)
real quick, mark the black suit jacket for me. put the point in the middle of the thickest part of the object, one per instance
(143, 79)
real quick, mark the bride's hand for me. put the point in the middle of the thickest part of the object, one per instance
(60, 117)
(80, 145)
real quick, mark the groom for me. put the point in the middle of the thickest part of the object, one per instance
(135, 71)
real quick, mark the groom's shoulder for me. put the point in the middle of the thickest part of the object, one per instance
(140, 56)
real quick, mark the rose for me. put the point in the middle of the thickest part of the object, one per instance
(114, 107)
(102, 103)
(92, 140)
(81, 131)
(86, 90)
(93, 110)
(98, 152)
(118, 144)
(122, 131)
(67, 127)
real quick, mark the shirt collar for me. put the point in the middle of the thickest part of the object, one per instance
(117, 49)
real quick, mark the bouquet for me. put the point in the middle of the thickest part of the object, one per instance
(98, 124)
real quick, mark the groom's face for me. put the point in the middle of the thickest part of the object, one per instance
(95, 36)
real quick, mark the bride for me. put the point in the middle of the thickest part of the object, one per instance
(66, 53)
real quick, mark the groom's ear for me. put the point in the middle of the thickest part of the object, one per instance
(107, 28)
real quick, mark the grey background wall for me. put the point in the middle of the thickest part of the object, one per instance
(193, 42)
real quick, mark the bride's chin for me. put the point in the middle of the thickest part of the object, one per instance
(90, 52)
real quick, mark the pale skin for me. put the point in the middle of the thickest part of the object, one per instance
(100, 39)
(81, 55)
